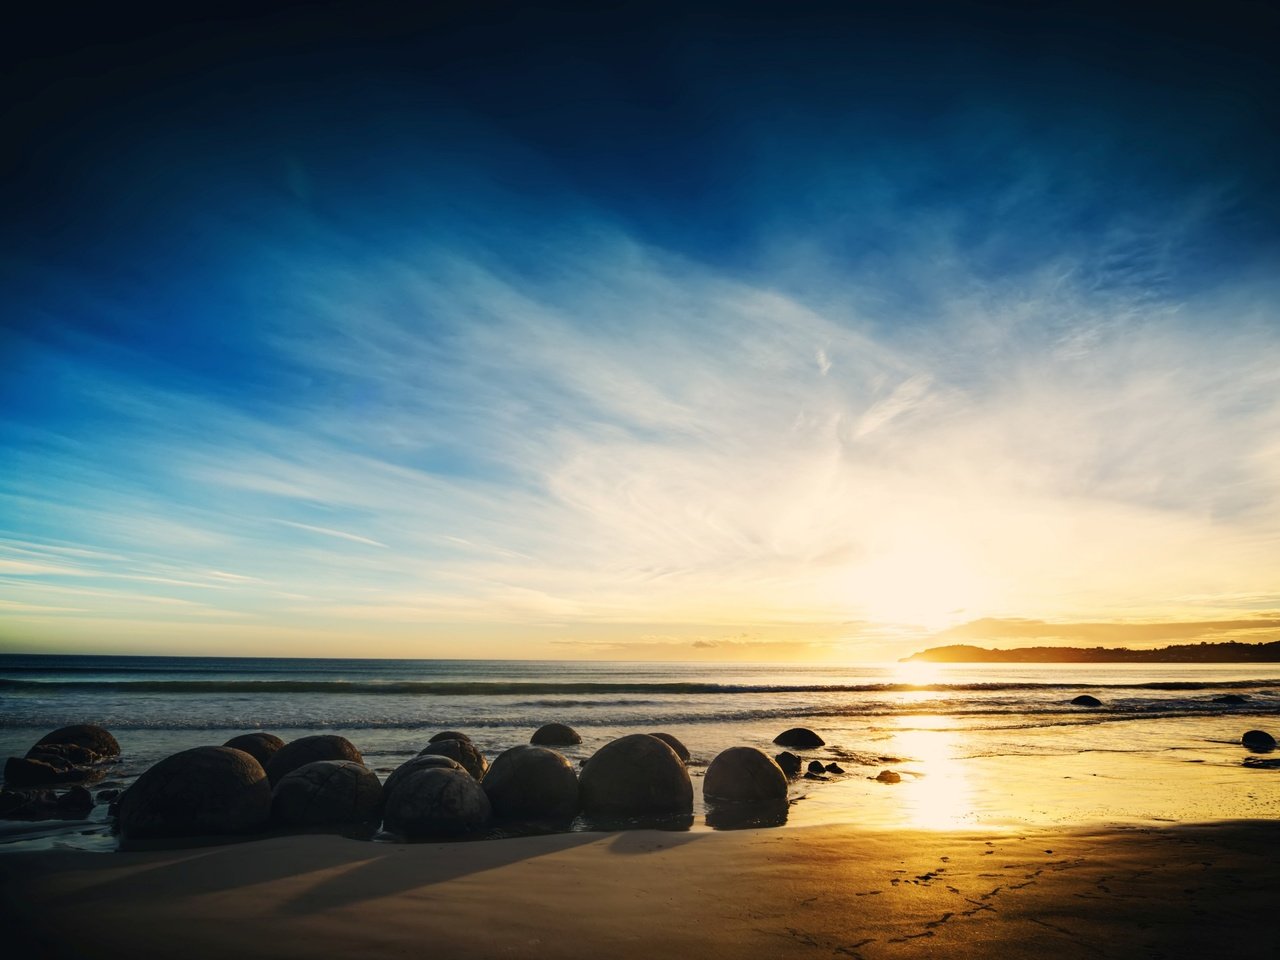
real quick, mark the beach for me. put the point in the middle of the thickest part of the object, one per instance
(843, 891)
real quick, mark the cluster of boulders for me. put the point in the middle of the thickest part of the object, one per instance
(67, 757)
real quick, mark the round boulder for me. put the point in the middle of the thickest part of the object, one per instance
(304, 750)
(435, 802)
(463, 751)
(449, 735)
(261, 746)
(555, 735)
(1258, 740)
(1232, 698)
(789, 763)
(817, 766)
(529, 782)
(1084, 700)
(327, 791)
(636, 775)
(421, 762)
(84, 736)
(744, 775)
(681, 750)
(801, 737)
(206, 790)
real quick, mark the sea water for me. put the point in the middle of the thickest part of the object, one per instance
(973, 744)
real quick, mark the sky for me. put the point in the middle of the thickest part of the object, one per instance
(750, 331)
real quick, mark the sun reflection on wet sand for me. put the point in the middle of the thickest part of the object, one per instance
(936, 791)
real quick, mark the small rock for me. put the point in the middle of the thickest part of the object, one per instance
(817, 766)
(834, 768)
(889, 776)
(801, 737)
(1084, 700)
(1231, 698)
(106, 796)
(816, 776)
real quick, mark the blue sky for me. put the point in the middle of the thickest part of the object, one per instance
(640, 332)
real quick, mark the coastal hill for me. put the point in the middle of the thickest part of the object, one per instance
(1229, 652)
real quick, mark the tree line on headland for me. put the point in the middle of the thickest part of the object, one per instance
(1228, 652)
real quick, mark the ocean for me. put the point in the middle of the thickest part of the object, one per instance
(974, 744)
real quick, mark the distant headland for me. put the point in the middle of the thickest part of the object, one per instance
(1229, 652)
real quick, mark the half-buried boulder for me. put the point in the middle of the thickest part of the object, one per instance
(198, 792)
(529, 782)
(744, 775)
(463, 751)
(421, 762)
(67, 755)
(86, 736)
(434, 802)
(801, 737)
(555, 735)
(304, 750)
(636, 775)
(325, 792)
(1084, 700)
(680, 749)
(449, 735)
(261, 746)
(1258, 740)
(789, 763)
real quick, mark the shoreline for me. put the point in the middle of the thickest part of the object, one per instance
(1171, 891)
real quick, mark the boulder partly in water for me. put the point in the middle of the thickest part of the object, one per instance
(304, 750)
(744, 775)
(1258, 740)
(789, 763)
(1085, 700)
(435, 802)
(529, 782)
(327, 792)
(636, 775)
(202, 791)
(555, 735)
(801, 737)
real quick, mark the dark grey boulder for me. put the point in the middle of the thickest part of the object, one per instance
(801, 737)
(635, 775)
(680, 749)
(789, 763)
(834, 768)
(44, 771)
(463, 751)
(327, 792)
(304, 750)
(1231, 698)
(206, 790)
(421, 762)
(1084, 700)
(74, 804)
(435, 802)
(449, 735)
(744, 775)
(260, 745)
(86, 736)
(1258, 740)
(555, 735)
(529, 782)
(817, 766)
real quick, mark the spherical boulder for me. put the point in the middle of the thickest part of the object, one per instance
(435, 802)
(421, 762)
(463, 751)
(261, 746)
(790, 764)
(206, 790)
(555, 735)
(1258, 740)
(449, 735)
(327, 791)
(801, 737)
(680, 749)
(1084, 700)
(744, 775)
(529, 782)
(85, 736)
(635, 775)
(304, 750)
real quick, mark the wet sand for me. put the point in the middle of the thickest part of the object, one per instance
(834, 891)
